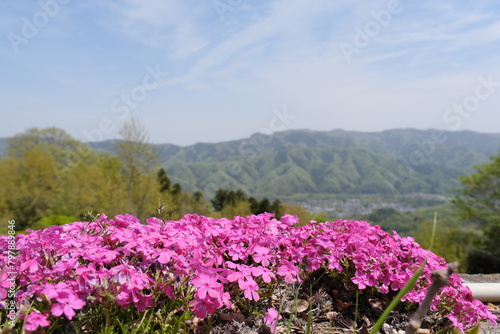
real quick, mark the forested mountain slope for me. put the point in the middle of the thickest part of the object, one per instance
(332, 162)
(399, 161)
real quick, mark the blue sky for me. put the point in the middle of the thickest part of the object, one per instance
(208, 71)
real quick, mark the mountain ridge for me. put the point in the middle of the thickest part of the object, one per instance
(331, 162)
(310, 162)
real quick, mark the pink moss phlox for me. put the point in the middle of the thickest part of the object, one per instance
(70, 267)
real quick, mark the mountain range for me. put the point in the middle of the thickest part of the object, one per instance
(332, 162)
(315, 163)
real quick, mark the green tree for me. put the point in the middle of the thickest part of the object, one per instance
(241, 208)
(59, 144)
(198, 196)
(176, 189)
(452, 241)
(112, 195)
(29, 186)
(228, 198)
(93, 185)
(47, 172)
(163, 180)
(139, 167)
(231, 202)
(264, 206)
(276, 208)
(199, 204)
(220, 199)
(478, 202)
(254, 205)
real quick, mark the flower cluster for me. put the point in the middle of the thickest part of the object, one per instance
(71, 268)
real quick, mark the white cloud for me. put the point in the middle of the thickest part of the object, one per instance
(283, 33)
(163, 24)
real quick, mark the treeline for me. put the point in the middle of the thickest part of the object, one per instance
(47, 178)
(229, 200)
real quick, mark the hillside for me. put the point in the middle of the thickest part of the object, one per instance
(303, 164)
(333, 162)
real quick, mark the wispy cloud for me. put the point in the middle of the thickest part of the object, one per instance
(169, 25)
(264, 54)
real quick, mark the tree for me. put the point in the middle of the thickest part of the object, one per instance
(198, 196)
(29, 186)
(264, 206)
(219, 199)
(139, 167)
(452, 240)
(82, 189)
(60, 145)
(478, 201)
(241, 208)
(199, 203)
(47, 172)
(228, 198)
(176, 189)
(93, 185)
(254, 204)
(35, 167)
(224, 199)
(113, 197)
(276, 208)
(163, 180)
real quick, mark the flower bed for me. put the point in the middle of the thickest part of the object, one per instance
(161, 275)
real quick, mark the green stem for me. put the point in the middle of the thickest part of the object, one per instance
(309, 314)
(108, 319)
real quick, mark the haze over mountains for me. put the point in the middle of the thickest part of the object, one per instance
(315, 163)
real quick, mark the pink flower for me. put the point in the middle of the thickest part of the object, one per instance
(261, 255)
(271, 318)
(67, 303)
(31, 265)
(201, 308)
(144, 302)
(52, 291)
(35, 319)
(362, 279)
(207, 284)
(265, 273)
(164, 257)
(289, 271)
(242, 273)
(4, 284)
(237, 251)
(250, 287)
(290, 220)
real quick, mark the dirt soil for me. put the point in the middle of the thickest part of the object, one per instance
(326, 320)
